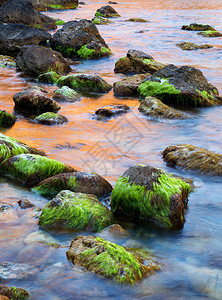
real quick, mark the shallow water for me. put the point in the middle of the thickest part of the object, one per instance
(191, 258)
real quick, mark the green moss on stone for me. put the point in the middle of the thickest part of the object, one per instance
(49, 77)
(54, 6)
(50, 118)
(60, 22)
(98, 14)
(210, 33)
(85, 52)
(6, 119)
(65, 50)
(155, 88)
(105, 50)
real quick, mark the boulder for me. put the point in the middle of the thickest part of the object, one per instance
(111, 111)
(14, 36)
(137, 62)
(50, 118)
(66, 94)
(210, 33)
(34, 59)
(49, 77)
(6, 119)
(80, 39)
(106, 259)
(184, 86)
(129, 85)
(25, 203)
(197, 27)
(78, 182)
(44, 5)
(69, 210)
(116, 230)
(149, 194)
(34, 101)
(107, 12)
(23, 12)
(6, 61)
(153, 107)
(137, 20)
(85, 82)
(30, 169)
(13, 293)
(194, 158)
(100, 21)
(192, 46)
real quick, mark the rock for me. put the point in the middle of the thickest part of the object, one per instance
(137, 20)
(40, 237)
(10, 147)
(44, 5)
(66, 94)
(101, 21)
(14, 36)
(129, 85)
(4, 206)
(112, 2)
(34, 101)
(50, 118)
(85, 82)
(107, 12)
(13, 293)
(23, 12)
(106, 259)
(153, 107)
(49, 77)
(16, 271)
(78, 182)
(6, 61)
(6, 119)
(149, 194)
(192, 46)
(197, 27)
(80, 39)
(34, 59)
(24, 203)
(194, 158)
(70, 210)
(111, 111)
(210, 33)
(137, 62)
(30, 169)
(184, 86)
(59, 22)
(116, 230)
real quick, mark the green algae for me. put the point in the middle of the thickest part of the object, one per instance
(205, 94)
(156, 88)
(50, 118)
(85, 52)
(49, 77)
(65, 50)
(105, 51)
(60, 22)
(98, 14)
(210, 33)
(6, 119)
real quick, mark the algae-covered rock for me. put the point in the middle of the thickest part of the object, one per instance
(101, 21)
(111, 111)
(194, 158)
(49, 77)
(6, 119)
(6, 61)
(107, 12)
(150, 194)
(137, 62)
(32, 168)
(197, 27)
(10, 147)
(138, 20)
(192, 46)
(184, 86)
(153, 107)
(78, 182)
(129, 85)
(13, 293)
(69, 210)
(210, 33)
(66, 94)
(85, 82)
(106, 259)
(50, 118)
(47, 5)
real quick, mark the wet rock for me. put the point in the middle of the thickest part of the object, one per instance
(10, 270)
(111, 111)
(4, 206)
(50, 118)
(40, 237)
(34, 101)
(43, 5)
(34, 59)
(10, 147)
(23, 12)
(70, 210)
(80, 39)
(192, 46)
(31, 169)
(194, 158)
(4, 298)
(78, 182)
(129, 85)
(49, 77)
(116, 230)
(6, 119)
(13, 293)
(137, 20)
(6, 61)
(66, 94)
(101, 21)
(153, 107)
(107, 12)
(149, 194)
(210, 33)
(137, 62)
(112, 2)
(184, 86)
(85, 82)
(24, 203)
(197, 27)
(14, 36)
(106, 259)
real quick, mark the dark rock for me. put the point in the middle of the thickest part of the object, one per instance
(14, 36)
(50, 118)
(107, 12)
(43, 5)
(197, 27)
(13, 293)
(137, 20)
(49, 77)
(6, 119)
(192, 46)
(210, 33)
(24, 203)
(111, 111)
(66, 94)
(112, 2)
(129, 85)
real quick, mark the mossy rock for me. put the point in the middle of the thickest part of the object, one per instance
(84, 82)
(13, 293)
(30, 169)
(210, 33)
(107, 12)
(192, 46)
(50, 118)
(69, 210)
(101, 21)
(106, 259)
(92, 51)
(153, 107)
(78, 182)
(59, 22)
(49, 77)
(7, 61)
(149, 194)
(194, 158)
(138, 20)
(66, 94)
(197, 27)
(6, 119)
(10, 147)
(129, 85)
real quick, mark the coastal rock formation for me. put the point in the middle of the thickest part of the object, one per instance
(43, 5)
(66, 94)
(107, 11)
(50, 118)
(129, 85)
(192, 46)
(197, 27)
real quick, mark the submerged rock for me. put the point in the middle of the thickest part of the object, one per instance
(116, 230)
(50, 118)
(24, 203)
(111, 111)
(192, 46)
(49, 77)
(32, 168)
(197, 27)
(153, 107)
(106, 259)
(107, 12)
(13, 293)
(101, 21)
(4, 206)
(194, 158)
(140, 20)
(6, 119)
(78, 182)
(137, 62)
(184, 86)
(43, 5)
(129, 85)
(149, 194)
(70, 210)
(66, 94)
(210, 33)
(9, 270)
